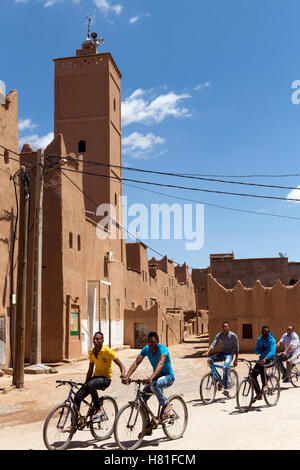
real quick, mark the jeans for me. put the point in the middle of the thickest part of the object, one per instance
(227, 358)
(289, 364)
(91, 387)
(156, 387)
(259, 369)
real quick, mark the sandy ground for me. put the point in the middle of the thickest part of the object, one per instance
(219, 426)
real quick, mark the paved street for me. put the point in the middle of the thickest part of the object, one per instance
(217, 426)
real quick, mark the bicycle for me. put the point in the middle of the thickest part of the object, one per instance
(131, 420)
(64, 419)
(279, 369)
(246, 388)
(212, 380)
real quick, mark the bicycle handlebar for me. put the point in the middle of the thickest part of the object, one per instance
(270, 364)
(69, 382)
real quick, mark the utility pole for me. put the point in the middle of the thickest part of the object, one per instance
(18, 371)
(36, 308)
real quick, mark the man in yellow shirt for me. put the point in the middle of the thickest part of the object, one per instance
(101, 357)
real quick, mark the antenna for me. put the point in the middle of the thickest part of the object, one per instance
(89, 26)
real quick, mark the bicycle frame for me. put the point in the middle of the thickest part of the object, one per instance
(213, 366)
(83, 420)
(140, 402)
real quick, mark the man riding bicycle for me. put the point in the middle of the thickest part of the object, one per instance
(290, 342)
(100, 357)
(266, 348)
(230, 346)
(162, 376)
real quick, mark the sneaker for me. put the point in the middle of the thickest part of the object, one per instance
(286, 380)
(165, 412)
(257, 397)
(98, 416)
(67, 429)
(226, 393)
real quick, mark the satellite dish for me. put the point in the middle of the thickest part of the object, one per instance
(94, 35)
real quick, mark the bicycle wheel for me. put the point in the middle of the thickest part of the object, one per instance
(59, 427)
(244, 395)
(208, 388)
(130, 426)
(271, 396)
(233, 383)
(104, 428)
(295, 376)
(175, 425)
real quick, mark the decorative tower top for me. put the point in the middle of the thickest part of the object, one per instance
(89, 46)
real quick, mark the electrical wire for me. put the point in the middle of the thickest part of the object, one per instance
(122, 227)
(185, 187)
(183, 175)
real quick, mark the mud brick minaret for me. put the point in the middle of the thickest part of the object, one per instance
(87, 111)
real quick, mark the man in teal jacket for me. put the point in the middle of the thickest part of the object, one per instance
(266, 348)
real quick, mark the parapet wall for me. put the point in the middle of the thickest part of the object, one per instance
(248, 309)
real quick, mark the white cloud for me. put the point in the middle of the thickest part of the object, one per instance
(26, 124)
(294, 194)
(137, 108)
(37, 141)
(137, 145)
(134, 19)
(106, 7)
(203, 85)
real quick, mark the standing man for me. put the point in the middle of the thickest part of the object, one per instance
(101, 357)
(266, 348)
(161, 377)
(230, 346)
(290, 342)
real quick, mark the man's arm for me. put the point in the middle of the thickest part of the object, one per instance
(157, 370)
(237, 347)
(121, 367)
(89, 372)
(132, 368)
(212, 346)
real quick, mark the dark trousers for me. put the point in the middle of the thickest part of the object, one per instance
(91, 387)
(259, 369)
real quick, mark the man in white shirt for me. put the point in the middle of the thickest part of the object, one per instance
(291, 344)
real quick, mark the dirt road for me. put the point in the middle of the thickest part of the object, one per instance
(217, 426)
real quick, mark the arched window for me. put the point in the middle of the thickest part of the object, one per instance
(81, 146)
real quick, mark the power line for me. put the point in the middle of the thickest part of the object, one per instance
(184, 187)
(123, 228)
(212, 205)
(186, 175)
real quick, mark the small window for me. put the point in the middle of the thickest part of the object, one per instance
(70, 239)
(6, 156)
(125, 292)
(103, 309)
(79, 243)
(116, 199)
(114, 104)
(81, 146)
(117, 309)
(247, 331)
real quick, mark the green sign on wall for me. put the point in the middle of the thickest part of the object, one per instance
(74, 324)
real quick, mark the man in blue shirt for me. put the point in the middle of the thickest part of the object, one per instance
(265, 348)
(162, 375)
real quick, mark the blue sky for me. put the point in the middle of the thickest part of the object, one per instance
(206, 88)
